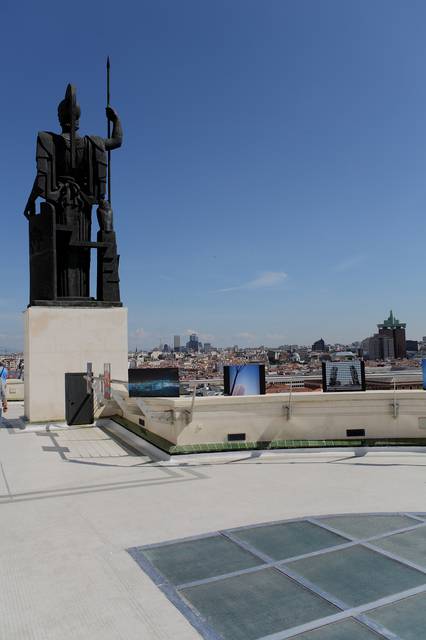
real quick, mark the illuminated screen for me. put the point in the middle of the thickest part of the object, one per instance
(154, 383)
(343, 376)
(244, 379)
(424, 372)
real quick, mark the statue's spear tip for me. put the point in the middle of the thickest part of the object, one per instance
(108, 63)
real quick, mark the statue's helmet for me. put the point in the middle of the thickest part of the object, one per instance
(68, 108)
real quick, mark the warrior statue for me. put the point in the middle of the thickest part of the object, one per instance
(71, 178)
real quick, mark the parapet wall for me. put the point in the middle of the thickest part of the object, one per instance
(303, 416)
(14, 389)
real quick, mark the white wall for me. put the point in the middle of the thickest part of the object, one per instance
(62, 340)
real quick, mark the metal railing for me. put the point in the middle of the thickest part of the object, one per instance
(102, 391)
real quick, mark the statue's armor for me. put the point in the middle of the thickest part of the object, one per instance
(54, 162)
(72, 191)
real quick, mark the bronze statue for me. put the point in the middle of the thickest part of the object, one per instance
(72, 176)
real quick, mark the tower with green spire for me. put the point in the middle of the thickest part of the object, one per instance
(395, 329)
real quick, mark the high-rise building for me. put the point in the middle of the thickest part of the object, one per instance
(378, 347)
(319, 345)
(193, 344)
(176, 343)
(395, 329)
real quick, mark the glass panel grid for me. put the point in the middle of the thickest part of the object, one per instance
(357, 575)
(406, 618)
(345, 630)
(238, 595)
(366, 526)
(286, 540)
(410, 545)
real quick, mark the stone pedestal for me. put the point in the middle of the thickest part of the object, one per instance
(62, 340)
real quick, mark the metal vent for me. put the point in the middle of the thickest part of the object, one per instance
(236, 437)
(351, 433)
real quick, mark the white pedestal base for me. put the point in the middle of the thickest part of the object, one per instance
(63, 340)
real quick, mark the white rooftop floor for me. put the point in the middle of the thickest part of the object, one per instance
(72, 502)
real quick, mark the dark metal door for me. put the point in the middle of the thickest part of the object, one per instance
(78, 403)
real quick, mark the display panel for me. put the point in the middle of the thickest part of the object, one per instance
(154, 383)
(343, 376)
(244, 379)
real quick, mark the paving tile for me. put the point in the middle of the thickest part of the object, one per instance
(192, 560)
(357, 575)
(346, 630)
(406, 618)
(256, 604)
(410, 545)
(285, 540)
(366, 526)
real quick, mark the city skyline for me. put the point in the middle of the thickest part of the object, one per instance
(391, 322)
(143, 341)
(278, 191)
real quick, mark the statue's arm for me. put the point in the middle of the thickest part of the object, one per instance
(117, 132)
(45, 181)
(30, 206)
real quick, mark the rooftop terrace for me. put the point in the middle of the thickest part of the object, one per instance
(78, 507)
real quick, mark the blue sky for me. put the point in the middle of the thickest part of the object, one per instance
(272, 183)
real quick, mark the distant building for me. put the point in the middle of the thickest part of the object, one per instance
(395, 329)
(378, 347)
(389, 382)
(207, 347)
(176, 343)
(303, 352)
(319, 345)
(412, 345)
(193, 343)
(343, 356)
(273, 356)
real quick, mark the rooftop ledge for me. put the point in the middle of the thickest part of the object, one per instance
(299, 396)
(220, 420)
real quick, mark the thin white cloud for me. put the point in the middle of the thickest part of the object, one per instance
(348, 263)
(264, 280)
(141, 333)
(207, 337)
(246, 335)
(275, 336)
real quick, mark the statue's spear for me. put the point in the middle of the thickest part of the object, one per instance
(109, 133)
(72, 104)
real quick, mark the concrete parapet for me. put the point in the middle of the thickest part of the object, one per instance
(305, 416)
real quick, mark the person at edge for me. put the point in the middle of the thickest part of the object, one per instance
(3, 372)
(3, 401)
